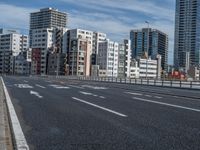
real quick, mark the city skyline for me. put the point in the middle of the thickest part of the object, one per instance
(98, 17)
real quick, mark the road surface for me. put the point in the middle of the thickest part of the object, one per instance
(58, 114)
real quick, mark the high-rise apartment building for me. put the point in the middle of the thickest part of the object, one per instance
(187, 34)
(47, 30)
(47, 18)
(152, 41)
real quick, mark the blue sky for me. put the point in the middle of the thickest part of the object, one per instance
(113, 17)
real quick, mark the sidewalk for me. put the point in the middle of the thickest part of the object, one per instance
(5, 134)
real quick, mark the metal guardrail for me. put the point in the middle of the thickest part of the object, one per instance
(151, 82)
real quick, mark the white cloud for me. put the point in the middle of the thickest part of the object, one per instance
(118, 17)
(14, 17)
(113, 17)
(146, 7)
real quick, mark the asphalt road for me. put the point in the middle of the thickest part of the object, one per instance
(57, 114)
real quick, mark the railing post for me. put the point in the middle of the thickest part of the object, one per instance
(162, 82)
(190, 84)
(120, 80)
(180, 83)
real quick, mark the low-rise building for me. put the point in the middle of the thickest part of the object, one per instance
(56, 64)
(134, 70)
(148, 68)
(20, 65)
(194, 73)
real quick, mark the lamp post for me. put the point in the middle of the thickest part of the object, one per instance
(147, 22)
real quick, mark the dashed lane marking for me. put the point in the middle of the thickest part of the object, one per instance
(100, 107)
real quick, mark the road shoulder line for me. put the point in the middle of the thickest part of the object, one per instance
(19, 138)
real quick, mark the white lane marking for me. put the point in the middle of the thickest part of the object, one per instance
(102, 97)
(148, 95)
(94, 87)
(24, 86)
(158, 97)
(100, 107)
(79, 87)
(133, 93)
(59, 86)
(20, 139)
(40, 86)
(85, 93)
(166, 104)
(36, 94)
(25, 81)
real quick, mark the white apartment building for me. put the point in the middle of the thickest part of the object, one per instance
(124, 59)
(108, 58)
(149, 68)
(11, 44)
(42, 40)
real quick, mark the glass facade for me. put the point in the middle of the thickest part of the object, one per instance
(187, 33)
(151, 40)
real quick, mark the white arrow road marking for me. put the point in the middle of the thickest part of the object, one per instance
(25, 81)
(166, 104)
(133, 93)
(24, 86)
(40, 86)
(36, 94)
(59, 86)
(100, 107)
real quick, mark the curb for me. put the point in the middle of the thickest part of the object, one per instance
(18, 135)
